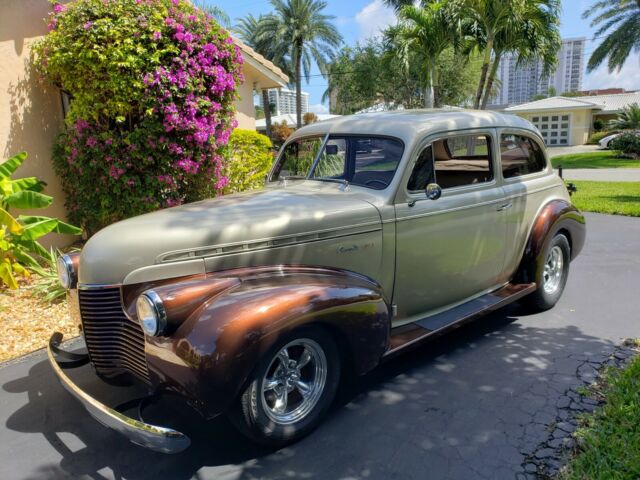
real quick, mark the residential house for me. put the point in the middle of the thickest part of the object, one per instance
(566, 121)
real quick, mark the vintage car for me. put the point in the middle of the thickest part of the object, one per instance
(374, 233)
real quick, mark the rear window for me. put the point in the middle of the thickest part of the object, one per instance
(521, 155)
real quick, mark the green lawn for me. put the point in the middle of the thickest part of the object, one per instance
(616, 198)
(611, 435)
(599, 159)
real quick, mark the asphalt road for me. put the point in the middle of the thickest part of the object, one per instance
(469, 405)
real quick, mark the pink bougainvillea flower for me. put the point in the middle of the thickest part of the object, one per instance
(87, 25)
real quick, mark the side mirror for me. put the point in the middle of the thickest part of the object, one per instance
(433, 191)
(331, 149)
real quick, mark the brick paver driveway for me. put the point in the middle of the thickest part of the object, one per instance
(470, 405)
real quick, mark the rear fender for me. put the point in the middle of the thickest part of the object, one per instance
(213, 352)
(556, 216)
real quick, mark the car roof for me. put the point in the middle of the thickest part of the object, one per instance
(409, 124)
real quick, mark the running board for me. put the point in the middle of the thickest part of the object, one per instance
(414, 333)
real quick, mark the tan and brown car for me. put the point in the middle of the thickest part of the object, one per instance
(373, 233)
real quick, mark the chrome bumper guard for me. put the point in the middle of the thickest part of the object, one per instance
(153, 437)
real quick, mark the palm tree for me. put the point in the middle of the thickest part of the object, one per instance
(532, 33)
(621, 18)
(303, 33)
(628, 119)
(217, 13)
(424, 32)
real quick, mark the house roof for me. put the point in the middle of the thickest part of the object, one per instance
(603, 103)
(261, 124)
(274, 76)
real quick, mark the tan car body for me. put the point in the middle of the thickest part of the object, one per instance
(239, 271)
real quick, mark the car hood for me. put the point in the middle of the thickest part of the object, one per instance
(173, 234)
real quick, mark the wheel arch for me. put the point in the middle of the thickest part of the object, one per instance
(556, 216)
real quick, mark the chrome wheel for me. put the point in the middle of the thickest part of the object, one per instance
(294, 381)
(553, 270)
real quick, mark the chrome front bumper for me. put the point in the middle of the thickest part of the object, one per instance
(160, 439)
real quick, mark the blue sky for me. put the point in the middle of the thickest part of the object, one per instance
(359, 19)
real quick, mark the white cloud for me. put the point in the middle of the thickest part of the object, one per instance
(628, 77)
(373, 18)
(319, 108)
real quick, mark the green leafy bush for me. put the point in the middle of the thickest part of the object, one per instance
(596, 137)
(598, 125)
(249, 158)
(19, 246)
(628, 144)
(153, 84)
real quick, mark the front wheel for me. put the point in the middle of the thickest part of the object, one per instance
(291, 390)
(551, 276)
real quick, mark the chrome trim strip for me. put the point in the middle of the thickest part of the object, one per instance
(153, 437)
(97, 286)
(268, 243)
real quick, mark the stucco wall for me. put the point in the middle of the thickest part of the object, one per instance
(30, 113)
(245, 111)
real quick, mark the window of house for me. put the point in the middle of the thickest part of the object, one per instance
(521, 155)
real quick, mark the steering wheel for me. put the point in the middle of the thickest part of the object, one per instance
(375, 180)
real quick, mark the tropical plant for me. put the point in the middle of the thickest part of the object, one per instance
(628, 144)
(619, 23)
(628, 119)
(249, 158)
(304, 34)
(216, 12)
(309, 118)
(153, 86)
(528, 29)
(424, 32)
(281, 131)
(19, 245)
(49, 288)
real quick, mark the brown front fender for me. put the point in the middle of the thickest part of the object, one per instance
(557, 216)
(213, 352)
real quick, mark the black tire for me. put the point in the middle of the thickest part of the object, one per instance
(546, 298)
(249, 414)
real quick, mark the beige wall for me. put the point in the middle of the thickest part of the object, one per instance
(30, 112)
(581, 122)
(245, 111)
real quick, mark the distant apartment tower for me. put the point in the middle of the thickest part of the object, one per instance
(519, 84)
(285, 101)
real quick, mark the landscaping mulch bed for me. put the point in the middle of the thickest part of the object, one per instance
(27, 322)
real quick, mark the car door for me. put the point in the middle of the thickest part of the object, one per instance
(450, 249)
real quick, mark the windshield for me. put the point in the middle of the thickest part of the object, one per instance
(359, 160)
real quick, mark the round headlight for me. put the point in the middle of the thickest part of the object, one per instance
(66, 273)
(151, 313)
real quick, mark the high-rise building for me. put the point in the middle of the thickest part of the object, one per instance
(519, 84)
(285, 101)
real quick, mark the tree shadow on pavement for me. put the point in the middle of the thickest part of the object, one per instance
(465, 405)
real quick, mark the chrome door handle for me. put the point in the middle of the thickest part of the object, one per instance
(506, 206)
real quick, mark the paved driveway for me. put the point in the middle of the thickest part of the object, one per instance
(557, 151)
(602, 174)
(469, 405)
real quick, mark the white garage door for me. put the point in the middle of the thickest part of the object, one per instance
(554, 128)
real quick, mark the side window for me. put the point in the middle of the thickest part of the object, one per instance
(520, 155)
(462, 160)
(422, 174)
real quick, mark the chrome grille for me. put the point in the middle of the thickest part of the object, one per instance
(114, 342)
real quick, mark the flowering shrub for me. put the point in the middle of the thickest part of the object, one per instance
(249, 157)
(152, 84)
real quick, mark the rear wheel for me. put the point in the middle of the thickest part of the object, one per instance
(291, 389)
(551, 275)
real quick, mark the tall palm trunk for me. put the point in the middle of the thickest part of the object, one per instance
(429, 97)
(298, 60)
(483, 72)
(267, 111)
(491, 80)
